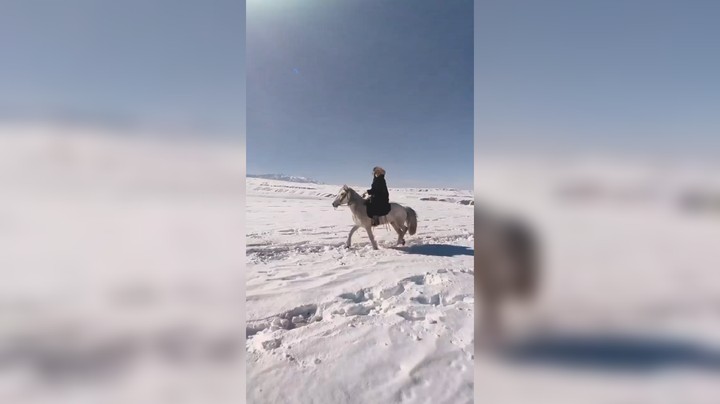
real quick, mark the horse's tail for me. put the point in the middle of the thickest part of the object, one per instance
(411, 220)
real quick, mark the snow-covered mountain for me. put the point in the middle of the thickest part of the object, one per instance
(283, 177)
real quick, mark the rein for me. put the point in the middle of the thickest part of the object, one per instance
(349, 196)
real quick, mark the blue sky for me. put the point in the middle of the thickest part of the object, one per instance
(337, 87)
(638, 76)
(156, 63)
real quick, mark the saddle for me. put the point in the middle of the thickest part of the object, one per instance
(375, 218)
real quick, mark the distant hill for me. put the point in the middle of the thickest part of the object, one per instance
(283, 177)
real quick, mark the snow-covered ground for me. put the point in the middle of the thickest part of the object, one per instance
(121, 262)
(326, 324)
(630, 306)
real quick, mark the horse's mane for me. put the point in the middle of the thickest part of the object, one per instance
(353, 191)
(353, 194)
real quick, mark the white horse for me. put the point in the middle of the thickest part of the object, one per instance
(402, 219)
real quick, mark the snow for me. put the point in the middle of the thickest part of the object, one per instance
(630, 299)
(121, 267)
(284, 177)
(337, 325)
(122, 260)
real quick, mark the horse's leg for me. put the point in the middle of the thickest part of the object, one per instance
(397, 229)
(372, 238)
(403, 230)
(352, 231)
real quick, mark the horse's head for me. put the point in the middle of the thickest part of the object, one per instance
(343, 197)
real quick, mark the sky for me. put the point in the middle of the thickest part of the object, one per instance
(151, 63)
(638, 77)
(335, 88)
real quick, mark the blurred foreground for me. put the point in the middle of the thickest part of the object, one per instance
(121, 265)
(629, 302)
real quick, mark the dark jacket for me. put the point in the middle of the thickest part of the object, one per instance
(379, 204)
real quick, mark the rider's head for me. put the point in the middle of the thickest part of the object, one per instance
(378, 171)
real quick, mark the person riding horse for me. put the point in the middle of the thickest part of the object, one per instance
(378, 204)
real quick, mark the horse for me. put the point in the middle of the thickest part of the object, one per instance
(507, 267)
(402, 219)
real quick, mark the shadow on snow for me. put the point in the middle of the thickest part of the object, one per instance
(437, 250)
(614, 352)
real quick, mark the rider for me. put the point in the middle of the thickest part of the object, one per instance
(379, 202)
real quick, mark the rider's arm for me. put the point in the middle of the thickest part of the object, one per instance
(374, 187)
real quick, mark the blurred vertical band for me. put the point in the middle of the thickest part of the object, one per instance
(122, 165)
(596, 131)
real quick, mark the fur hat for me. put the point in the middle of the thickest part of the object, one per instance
(378, 171)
